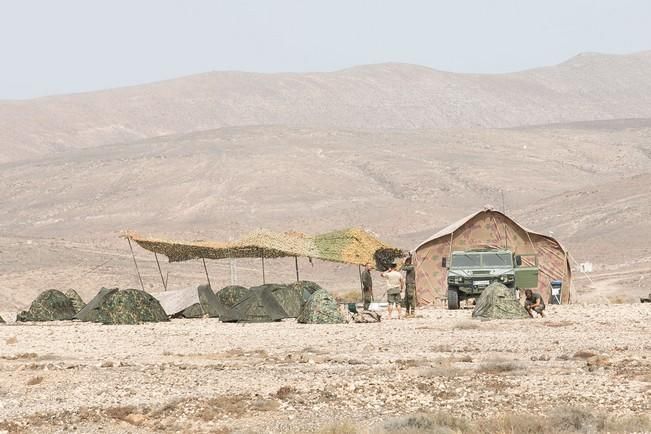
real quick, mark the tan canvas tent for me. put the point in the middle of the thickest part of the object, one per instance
(489, 229)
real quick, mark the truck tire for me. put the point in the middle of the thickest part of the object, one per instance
(453, 299)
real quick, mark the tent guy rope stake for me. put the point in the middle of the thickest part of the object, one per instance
(133, 255)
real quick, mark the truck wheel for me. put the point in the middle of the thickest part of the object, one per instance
(453, 299)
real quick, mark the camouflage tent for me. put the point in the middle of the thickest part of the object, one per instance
(228, 296)
(498, 302)
(489, 229)
(128, 306)
(189, 303)
(258, 305)
(306, 287)
(350, 246)
(321, 308)
(51, 305)
(290, 298)
(76, 300)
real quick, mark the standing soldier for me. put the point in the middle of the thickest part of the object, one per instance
(410, 287)
(395, 286)
(367, 286)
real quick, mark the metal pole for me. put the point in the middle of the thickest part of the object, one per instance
(142, 285)
(206, 270)
(298, 279)
(160, 271)
(263, 276)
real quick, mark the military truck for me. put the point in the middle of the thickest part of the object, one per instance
(469, 272)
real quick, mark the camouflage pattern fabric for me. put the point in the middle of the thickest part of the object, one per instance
(128, 306)
(230, 295)
(498, 302)
(350, 246)
(256, 306)
(290, 298)
(366, 317)
(76, 300)
(321, 308)
(307, 287)
(209, 301)
(51, 305)
(89, 312)
(194, 311)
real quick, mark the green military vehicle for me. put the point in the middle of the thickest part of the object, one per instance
(469, 272)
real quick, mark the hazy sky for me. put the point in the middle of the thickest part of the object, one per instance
(63, 46)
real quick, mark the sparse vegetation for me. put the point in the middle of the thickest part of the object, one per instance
(285, 392)
(35, 380)
(497, 367)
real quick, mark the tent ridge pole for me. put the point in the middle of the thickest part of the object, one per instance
(133, 255)
(160, 272)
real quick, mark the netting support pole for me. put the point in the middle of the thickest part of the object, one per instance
(263, 276)
(298, 279)
(133, 255)
(160, 272)
(361, 284)
(206, 270)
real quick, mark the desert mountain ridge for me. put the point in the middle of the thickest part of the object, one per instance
(587, 87)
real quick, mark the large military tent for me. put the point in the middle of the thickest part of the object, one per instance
(489, 229)
(189, 302)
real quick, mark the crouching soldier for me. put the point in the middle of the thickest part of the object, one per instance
(410, 287)
(533, 301)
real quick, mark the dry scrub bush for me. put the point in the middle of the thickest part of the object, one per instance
(285, 392)
(34, 381)
(583, 354)
(496, 367)
(435, 423)
(466, 325)
(339, 428)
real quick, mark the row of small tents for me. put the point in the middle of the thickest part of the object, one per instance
(306, 301)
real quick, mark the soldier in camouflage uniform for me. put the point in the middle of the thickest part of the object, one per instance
(410, 299)
(367, 286)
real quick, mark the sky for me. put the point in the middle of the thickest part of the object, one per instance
(65, 46)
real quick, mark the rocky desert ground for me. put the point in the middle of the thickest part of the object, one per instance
(401, 150)
(579, 366)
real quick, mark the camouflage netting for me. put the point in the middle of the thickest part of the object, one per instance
(498, 302)
(128, 306)
(321, 308)
(51, 305)
(76, 300)
(351, 246)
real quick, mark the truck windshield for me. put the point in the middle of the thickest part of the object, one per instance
(466, 260)
(496, 260)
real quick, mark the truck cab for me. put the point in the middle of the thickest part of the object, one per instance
(470, 271)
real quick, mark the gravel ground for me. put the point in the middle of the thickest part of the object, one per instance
(206, 376)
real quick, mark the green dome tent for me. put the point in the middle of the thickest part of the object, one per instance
(321, 308)
(498, 302)
(76, 300)
(128, 306)
(51, 305)
(258, 305)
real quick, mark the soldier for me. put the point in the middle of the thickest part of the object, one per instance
(533, 301)
(395, 286)
(367, 286)
(410, 287)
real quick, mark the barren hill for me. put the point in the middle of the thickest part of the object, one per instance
(586, 182)
(586, 87)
